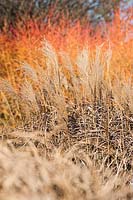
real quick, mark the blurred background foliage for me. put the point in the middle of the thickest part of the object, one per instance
(13, 11)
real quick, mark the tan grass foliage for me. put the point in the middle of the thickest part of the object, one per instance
(67, 175)
(72, 136)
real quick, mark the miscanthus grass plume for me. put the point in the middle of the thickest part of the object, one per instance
(66, 121)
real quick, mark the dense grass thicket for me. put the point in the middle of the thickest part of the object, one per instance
(66, 111)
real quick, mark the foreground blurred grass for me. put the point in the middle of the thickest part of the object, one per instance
(63, 175)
